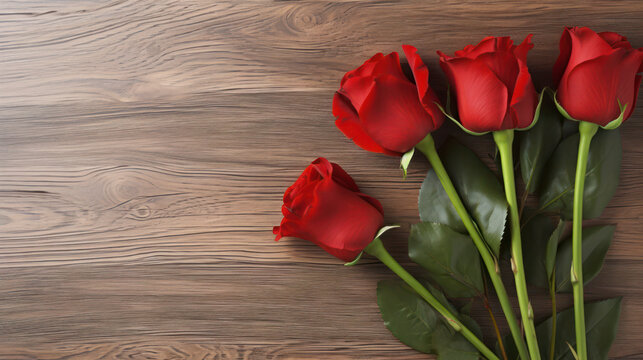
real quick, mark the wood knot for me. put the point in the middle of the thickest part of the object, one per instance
(141, 212)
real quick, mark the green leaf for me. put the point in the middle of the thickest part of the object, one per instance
(466, 308)
(540, 242)
(415, 323)
(451, 258)
(471, 324)
(435, 206)
(596, 242)
(552, 248)
(537, 144)
(556, 192)
(479, 189)
(601, 323)
(569, 128)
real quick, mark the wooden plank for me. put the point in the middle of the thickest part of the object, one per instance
(146, 146)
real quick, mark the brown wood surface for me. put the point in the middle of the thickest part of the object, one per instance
(145, 146)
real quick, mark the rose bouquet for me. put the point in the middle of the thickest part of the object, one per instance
(568, 145)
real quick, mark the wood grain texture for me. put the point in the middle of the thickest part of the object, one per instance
(145, 146)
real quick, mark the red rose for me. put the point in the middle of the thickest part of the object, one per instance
(325, 206)
(594, 72)
(381, 110)
(492, 84)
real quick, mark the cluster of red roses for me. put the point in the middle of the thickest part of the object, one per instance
(382, 111)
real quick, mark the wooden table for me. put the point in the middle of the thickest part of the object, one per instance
(145, 146)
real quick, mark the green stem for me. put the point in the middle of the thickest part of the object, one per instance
(587, 131)
(427, 147)
(554, 311)
(376, 248)
(504, 141)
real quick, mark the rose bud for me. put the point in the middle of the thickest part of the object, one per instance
(596, 76)
(381, 110)
(492, 85)
(325, 206)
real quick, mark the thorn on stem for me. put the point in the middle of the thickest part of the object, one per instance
(513, 266)
(574, 277)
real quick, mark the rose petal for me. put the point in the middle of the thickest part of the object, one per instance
(430, 102)
(342, 178)
(504, 66)
(323, 167)
(341, 222)
(298, 197)
(356, 89)
(300, 203)
(523, 104)
(419, 70)
(426, 94)
(307, 177)
(350, 125)
(389, 65)
(591, 89)
(565, 46)
(373, 201)
(615, 40)
(524, 98)
(586, 45)
(366, 69)
(482, 97)
(486, 45)
(339, 219)
(393, 115)
(521, 50)
(287, 228)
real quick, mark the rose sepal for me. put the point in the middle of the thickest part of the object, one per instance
(380, 232)
(610, 126)
(405, 161)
